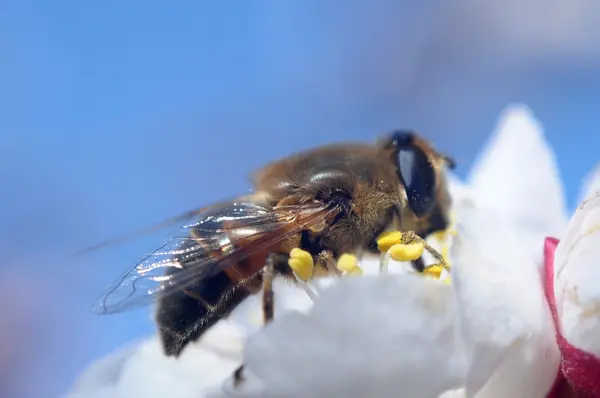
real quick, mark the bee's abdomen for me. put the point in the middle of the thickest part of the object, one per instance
(184, 316)
(229, 269)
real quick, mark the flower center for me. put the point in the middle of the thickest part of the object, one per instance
(402, 246)
(407, 246)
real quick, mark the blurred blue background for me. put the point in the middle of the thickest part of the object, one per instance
(115, 115)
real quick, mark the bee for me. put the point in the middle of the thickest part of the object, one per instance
(327, 201)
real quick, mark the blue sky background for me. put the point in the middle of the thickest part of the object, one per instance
(115, 115)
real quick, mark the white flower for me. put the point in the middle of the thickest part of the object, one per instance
(363, 352)
(489, 334)
(403, 335)
(143, 370)
(577, 296)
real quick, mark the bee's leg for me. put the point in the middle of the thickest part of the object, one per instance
(276, 263)
(411, 236)
(327, 259)
(267, 284)
(400, 245)
(438, 222)
(419, 264)
(238, 377)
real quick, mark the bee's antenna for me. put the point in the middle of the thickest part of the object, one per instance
(450, 161)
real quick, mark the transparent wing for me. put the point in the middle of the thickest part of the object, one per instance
(212, 241)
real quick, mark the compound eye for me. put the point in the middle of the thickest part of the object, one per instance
(418, 177)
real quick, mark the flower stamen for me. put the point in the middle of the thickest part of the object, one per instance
(407, 252)
(302, 263)
(408, 246)
(434, 271)
(348, 264)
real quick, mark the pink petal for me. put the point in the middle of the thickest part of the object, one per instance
(581, 369)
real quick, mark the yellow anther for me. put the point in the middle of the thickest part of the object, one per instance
(407, 252)
(355, 271)
(447, 281)
(347, 262)
(441, 235)
(434, 271)
(452, 230)
(302, 263)
(388, 239)
(445, 253)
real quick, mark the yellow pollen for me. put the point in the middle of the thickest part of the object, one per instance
(408, 246)
(348, 264)
(452, 231)
(445, 253)
(302, 263)
(388, 239)
(441, 235)
(407, 252)
(355, 271)
(434, 271)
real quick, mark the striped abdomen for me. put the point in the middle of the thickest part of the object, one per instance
(185, 315)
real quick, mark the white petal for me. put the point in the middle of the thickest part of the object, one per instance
(101, 379)
(459, 191)
(248, 315)
(517, 175)
(370, 336)
(148, 373)
(194, 374)
(144, 371)
(590, 184)
(577, 272)
(506, 323)
(458, 393)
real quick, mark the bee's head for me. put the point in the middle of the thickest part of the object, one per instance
(415, 161)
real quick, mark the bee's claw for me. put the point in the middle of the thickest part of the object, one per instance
(238, 377)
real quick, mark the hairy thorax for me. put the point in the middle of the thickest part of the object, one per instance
(357, 178)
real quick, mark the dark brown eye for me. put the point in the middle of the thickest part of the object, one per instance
(416, 173)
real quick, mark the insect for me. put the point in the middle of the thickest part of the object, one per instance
(327, 201)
